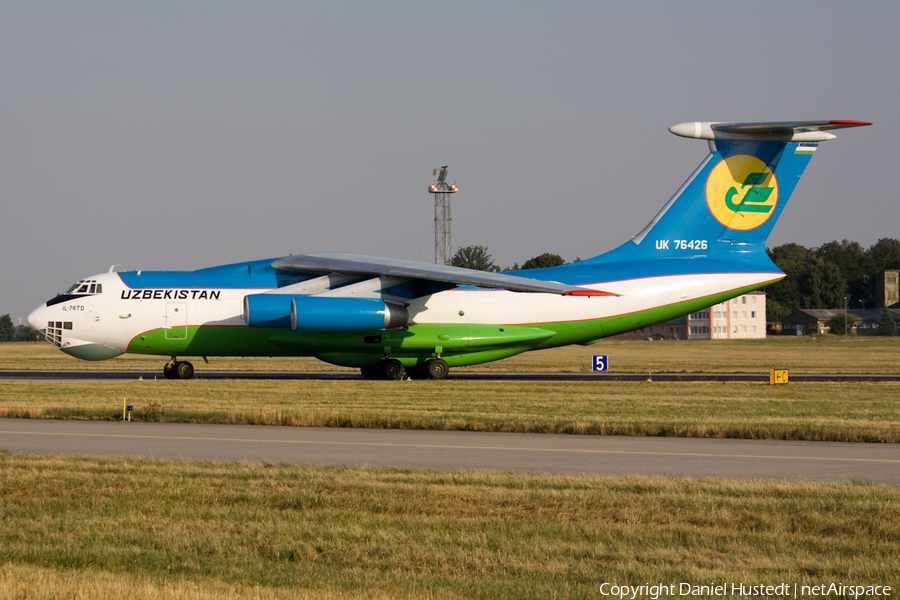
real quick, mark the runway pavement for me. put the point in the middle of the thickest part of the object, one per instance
(87, 375)
(448, 450)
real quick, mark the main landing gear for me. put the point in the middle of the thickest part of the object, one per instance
(178, 369)
(392, 369)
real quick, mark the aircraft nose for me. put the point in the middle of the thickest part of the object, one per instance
(38, 318)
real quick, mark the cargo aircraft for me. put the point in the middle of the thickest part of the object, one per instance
(386, 316)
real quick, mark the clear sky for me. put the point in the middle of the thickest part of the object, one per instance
(180, 135)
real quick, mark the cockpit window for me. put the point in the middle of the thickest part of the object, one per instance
(85, 287)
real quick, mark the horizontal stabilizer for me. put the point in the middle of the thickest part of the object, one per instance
(785, 131)
(358, 264)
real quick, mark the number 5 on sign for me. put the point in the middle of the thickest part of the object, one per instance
(601, 363)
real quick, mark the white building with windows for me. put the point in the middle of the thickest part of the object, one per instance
(740, 318)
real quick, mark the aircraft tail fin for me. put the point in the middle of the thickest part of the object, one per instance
(731, 202)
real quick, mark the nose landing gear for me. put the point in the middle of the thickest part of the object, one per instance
(176, 369)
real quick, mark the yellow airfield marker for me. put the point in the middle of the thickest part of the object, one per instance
(778, 376)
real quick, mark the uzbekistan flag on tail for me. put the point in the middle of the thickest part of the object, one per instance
(806, 147)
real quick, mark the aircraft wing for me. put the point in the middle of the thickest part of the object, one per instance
(362, 265)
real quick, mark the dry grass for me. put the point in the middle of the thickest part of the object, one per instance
(93, 528)
(799, 411)
(819, 354)
(108, 528)
(39, 582)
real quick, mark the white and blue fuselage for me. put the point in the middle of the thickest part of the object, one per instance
(705, 246)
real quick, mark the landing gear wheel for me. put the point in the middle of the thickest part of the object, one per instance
(184, 370)
(437, 368)
(390, 369)
(175, 369)
(370, 372)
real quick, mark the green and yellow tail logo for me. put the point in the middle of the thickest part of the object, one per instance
(741, 192)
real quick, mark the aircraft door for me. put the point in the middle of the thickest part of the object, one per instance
(176, 321)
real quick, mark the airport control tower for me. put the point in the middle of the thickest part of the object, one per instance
(442, 191)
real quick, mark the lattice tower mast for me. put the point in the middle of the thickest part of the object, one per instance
(442, 191)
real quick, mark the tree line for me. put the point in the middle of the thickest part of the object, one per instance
(478, 257)
(822, 277)
(8, 332)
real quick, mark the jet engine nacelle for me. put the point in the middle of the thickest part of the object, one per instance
(310, 313)
(267, 310)
(322, 313)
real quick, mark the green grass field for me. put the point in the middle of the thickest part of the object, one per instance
(798, 411)
(819, 354)
(114, 528)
